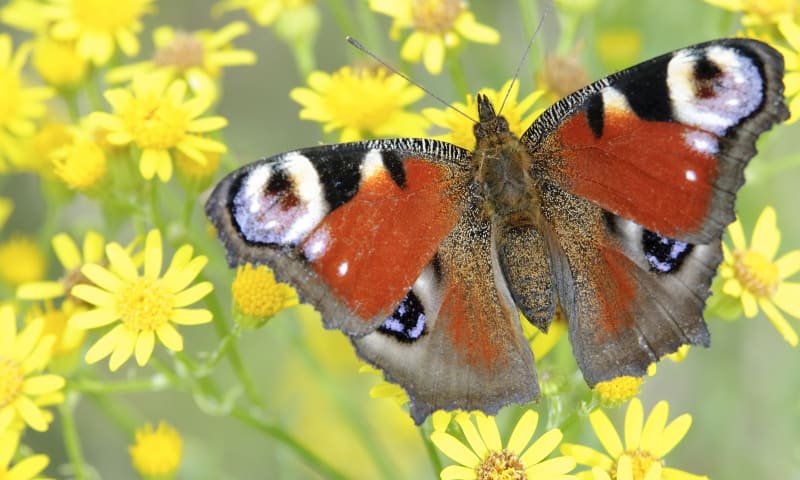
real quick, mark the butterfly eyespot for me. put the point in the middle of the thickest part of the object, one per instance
(664, 255)
(407, 323)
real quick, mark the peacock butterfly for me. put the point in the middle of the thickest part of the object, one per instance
(611, 205)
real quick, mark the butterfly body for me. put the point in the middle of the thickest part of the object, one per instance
(610, 207)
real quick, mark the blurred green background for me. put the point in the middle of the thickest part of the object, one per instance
(742, 392)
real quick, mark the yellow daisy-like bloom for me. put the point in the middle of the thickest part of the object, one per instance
(27, 468)
(263, 12)
(791, 57)
(147, 306)
(619, 390)
(23, 389)
(646, 443)
(197, 57)
(759, 12)
(154, 116)
(21, 261)
(460, 128)
(66, 339)
(437, 25)
(98, 26)
(752, 274)
(72, 260)
(157, 453)
(363, 103)
(483, 457)
(19, 103)
(58, 62)
(81, 164)
(257, 297)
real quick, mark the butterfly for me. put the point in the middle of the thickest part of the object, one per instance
(610, 207)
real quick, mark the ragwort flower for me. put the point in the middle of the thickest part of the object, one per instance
(363, 103)
(27, 468)
(153, 115)
(24, 390)
(646, 444)
(98, 26)
(759, 12)
(146, 305)
(752, 274)
(483, 457)
(21, 261)
(157, 452)
(197, 57)
(257, 297)
(791, 57)
(19, 103)
(437, 25)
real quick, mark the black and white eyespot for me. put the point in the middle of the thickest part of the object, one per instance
(280, 202)
(714, 88)
(408, 322)
(664, 255)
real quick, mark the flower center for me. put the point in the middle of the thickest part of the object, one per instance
(502, 465)
(184, 52)
(11, 378)
(619, 390)
(641, 463)
(256, 293)
(359, 99)
(155, 122)
(757, 275)
(145, 304)
(105, 16)
(435, 16)
(10, 99)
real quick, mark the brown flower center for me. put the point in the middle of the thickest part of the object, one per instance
(757, 275)
(185, 52)
(435, 16)
(502, 465)
(11, 378)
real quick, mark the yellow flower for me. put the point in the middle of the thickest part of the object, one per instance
(154, 116)
(49, 137)
(646, 443)
(257, 297)
(157, 453)
(58, 62)
(619, 390)
(200, 172)
(197, 57)
(71, 259)
(791, 56)
(81, 164)
(66, 339)
(752, 274)
(460, 128)
(146, 305)
(619, 48)
(26, 468)
(364, 103)
(483, 456)
(437, 25)
(23, 390)
(264, 12)
(21, 261)
(561, 75)
(759, 12)
(98, 26)
(19, 103)
(26, 15)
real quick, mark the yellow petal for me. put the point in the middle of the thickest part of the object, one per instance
(789, 264)
(736, 232)
(30, 413)
(489, 432)
(170, 337)
(105, 345)
(124, 349)
(606, 433)
(551, 468)
(93, 295)
(787, 298)
(433, 57)
(40, 290)
(42, 384)
(457, 472)
(672, 435)
(192, 295)
(207, 124)
(144, 346)
(152, 254)
(471, 434)
(523, 432)
(121, 263)
(101, 276)
(94, 318)
(66, 251)
(749, 304)
(766, 236)
(27, 340)
(92, 247)
(413, 47)
(779, 322)
(542, 447)
(190, 316)
(454, 449)
(654, 426)
(634, 419)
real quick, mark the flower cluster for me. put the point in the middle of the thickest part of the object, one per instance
(113, 123)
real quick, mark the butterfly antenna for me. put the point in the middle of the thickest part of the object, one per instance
(525, 54)
(352, 41)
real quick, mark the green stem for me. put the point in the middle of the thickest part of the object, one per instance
(69, 432)
(457, 75)
(285, 438)
(137, 385)
(430, 449)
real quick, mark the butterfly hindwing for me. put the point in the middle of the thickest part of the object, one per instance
(351, 226)
(456, 340)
